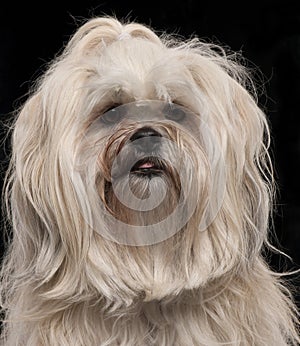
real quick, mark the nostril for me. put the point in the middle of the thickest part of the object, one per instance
(144, 132)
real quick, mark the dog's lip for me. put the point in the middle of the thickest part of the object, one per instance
(147, 165)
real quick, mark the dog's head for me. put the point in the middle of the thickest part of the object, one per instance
(140, 167)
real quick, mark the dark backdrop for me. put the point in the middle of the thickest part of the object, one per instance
(266, 31)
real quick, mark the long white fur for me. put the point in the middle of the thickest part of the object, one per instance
(63, 284)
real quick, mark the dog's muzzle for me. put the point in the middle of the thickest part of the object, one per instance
(147, 142)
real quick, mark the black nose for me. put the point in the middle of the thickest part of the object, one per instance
(144, 132)
(148, 138)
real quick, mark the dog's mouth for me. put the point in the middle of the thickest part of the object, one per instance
(148, 166)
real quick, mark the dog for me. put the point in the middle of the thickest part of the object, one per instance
(140, 194)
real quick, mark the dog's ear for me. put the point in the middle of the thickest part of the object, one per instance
(45, 214)
(251, 169)
(248, 146)
(241, 129)
(25, 192)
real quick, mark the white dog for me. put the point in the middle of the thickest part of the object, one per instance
(139, 193)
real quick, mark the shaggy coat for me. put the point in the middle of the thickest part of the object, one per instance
(65, 280)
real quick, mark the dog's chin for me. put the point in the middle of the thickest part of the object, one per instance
(149, 179)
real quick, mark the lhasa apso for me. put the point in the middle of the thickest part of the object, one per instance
(139, 193)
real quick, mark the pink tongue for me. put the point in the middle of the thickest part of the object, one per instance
(147, 165)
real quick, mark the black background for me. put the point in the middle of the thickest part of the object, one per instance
(267, 32)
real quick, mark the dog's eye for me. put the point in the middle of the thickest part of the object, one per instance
(174, 112)
(112, 115)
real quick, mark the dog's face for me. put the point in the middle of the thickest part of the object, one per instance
(148, 171)
(147, 166)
